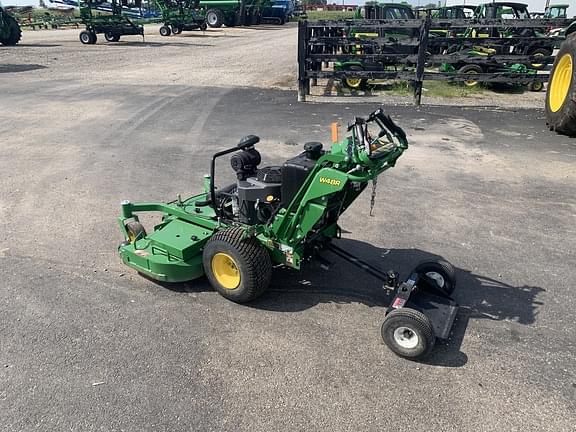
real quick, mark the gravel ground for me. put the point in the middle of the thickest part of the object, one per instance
(86, 344)
(263, 56)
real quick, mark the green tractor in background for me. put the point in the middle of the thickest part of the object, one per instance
(10, 32)
(287, 215)
(561, 93)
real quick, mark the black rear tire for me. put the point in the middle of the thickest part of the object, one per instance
(250, 261)
(436, 276)
(561, 117)
(214, 18)
(408, 333)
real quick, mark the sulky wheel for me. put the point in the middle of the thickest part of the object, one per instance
(408, 333)
(203, 26)
(238, 268)
(176, 30)
(165, 31)
(436, 276)
(135, 231)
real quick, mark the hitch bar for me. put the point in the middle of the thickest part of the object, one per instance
(440, 309)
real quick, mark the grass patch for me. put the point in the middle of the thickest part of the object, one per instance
(436, 89)
(328, 15)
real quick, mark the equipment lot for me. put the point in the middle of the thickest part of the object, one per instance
(87, 344)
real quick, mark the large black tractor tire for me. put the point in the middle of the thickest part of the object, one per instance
(470, 69)
(540, 52)
(436, 276)
(214, 18)
(561, 94)
(14, 34)
(238, 268)
(408, 333)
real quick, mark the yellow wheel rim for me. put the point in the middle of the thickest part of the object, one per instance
(538, 65)
(471, 83)
(560, 85)
(225, 270)
(353, 82)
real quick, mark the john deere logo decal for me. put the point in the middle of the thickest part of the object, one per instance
(331, 182)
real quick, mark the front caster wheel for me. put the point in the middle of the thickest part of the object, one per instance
(135, 231)
(408, 333)
(165, 31)
(439, 276)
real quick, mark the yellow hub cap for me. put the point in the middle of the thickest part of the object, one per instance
(560, 85)
(353, 82)
(225, 270)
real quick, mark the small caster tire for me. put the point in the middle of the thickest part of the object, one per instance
(165, 31)
(135, 231)
(176, 30)
(408, 333)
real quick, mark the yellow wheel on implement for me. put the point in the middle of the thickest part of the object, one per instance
(560, 83)
(226, 270)
(561, 95)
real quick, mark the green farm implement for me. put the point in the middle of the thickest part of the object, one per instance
(10, 32)
(113, 25)
(180, 15)
(286, 216)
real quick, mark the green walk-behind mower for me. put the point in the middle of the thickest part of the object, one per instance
(286, 216)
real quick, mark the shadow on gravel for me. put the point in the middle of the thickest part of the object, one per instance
(155, 44)
(14, 68)
(479, 297)
(27, 45)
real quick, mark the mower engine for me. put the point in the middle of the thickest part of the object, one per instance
(259, 192)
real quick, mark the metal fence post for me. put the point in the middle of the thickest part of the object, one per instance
(422, 48)
(303, 87)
